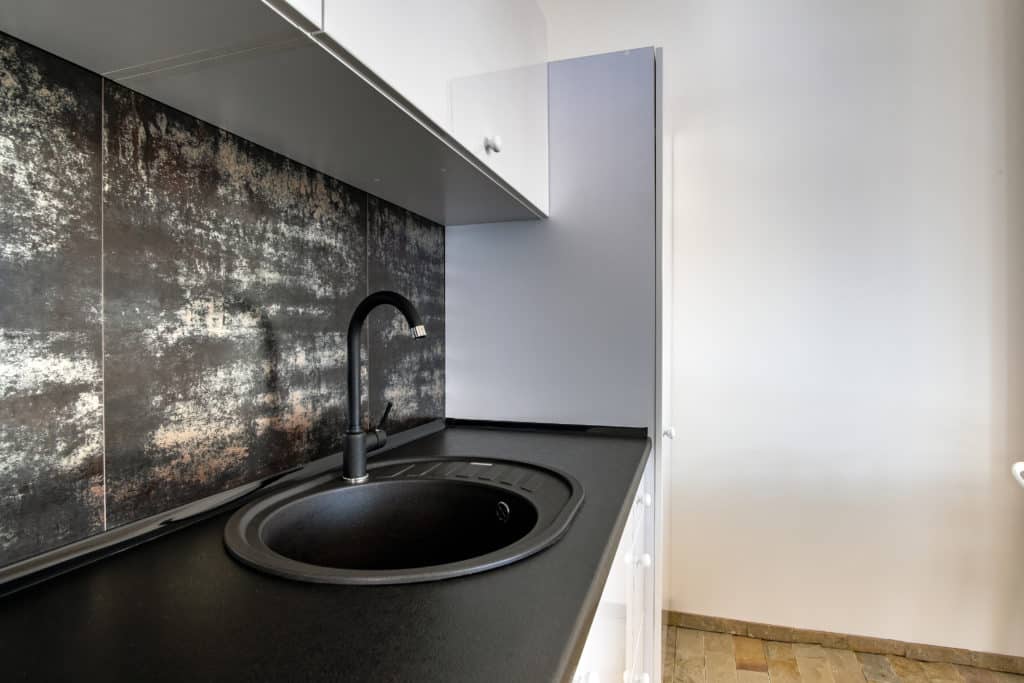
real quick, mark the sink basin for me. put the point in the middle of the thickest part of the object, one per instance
(414, 520)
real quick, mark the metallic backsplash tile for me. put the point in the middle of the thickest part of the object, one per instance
(228, 275)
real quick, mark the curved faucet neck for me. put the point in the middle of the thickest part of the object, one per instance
(355, 333)
(356, 440)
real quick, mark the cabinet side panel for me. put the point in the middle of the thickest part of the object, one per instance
(554, 320)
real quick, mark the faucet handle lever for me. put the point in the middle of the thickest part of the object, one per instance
(384, 416)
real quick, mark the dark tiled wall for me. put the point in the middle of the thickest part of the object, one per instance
(174, 302)
(403, 256)
(51, 410)
(230, 273)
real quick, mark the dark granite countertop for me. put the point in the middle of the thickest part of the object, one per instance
(178, 608)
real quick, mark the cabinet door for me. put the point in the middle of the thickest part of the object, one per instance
(618, 646)
(502, 118)
(475, 69)
(641, 616)
(608, 648)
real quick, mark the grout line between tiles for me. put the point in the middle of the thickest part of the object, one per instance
(366, 279)
(103, 297)
(444, 316)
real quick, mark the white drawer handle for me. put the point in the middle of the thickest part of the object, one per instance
(1018, 472)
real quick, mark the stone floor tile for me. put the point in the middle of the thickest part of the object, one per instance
(668, 652)
(808, 650)
(697, 656)
(908, 670)
(743, 676)
(779, 651)
(689, 643)
(689, 670)
(718, 642)
(940, 672)
(814, 669)
(749, 654)
(877, 668)
(845, 666)
(721, 666)
(783, 671)
(972, 675)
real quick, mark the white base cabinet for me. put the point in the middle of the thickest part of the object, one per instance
(619, 646)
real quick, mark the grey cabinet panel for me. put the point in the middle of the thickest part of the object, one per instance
(554, 320)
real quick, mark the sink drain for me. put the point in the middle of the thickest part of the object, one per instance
(502, 511)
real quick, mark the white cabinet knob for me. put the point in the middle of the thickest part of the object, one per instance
(669, 433)
(645, 499)
(1018, 472)
(492, 143)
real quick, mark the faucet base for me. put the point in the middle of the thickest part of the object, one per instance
(355, 480)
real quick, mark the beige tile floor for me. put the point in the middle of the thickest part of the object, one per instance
(704, 657)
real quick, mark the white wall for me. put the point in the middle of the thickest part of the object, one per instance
(848, 307)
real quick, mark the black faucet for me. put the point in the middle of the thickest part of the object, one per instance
(358, 442)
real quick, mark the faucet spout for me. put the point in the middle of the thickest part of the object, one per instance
(356, 442)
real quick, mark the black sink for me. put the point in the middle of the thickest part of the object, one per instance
(414, 520)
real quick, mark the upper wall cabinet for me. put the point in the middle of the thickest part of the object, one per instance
(268, 71)
(476, 70)
(307, 14)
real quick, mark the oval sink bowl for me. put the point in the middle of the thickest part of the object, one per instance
(414, 520)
